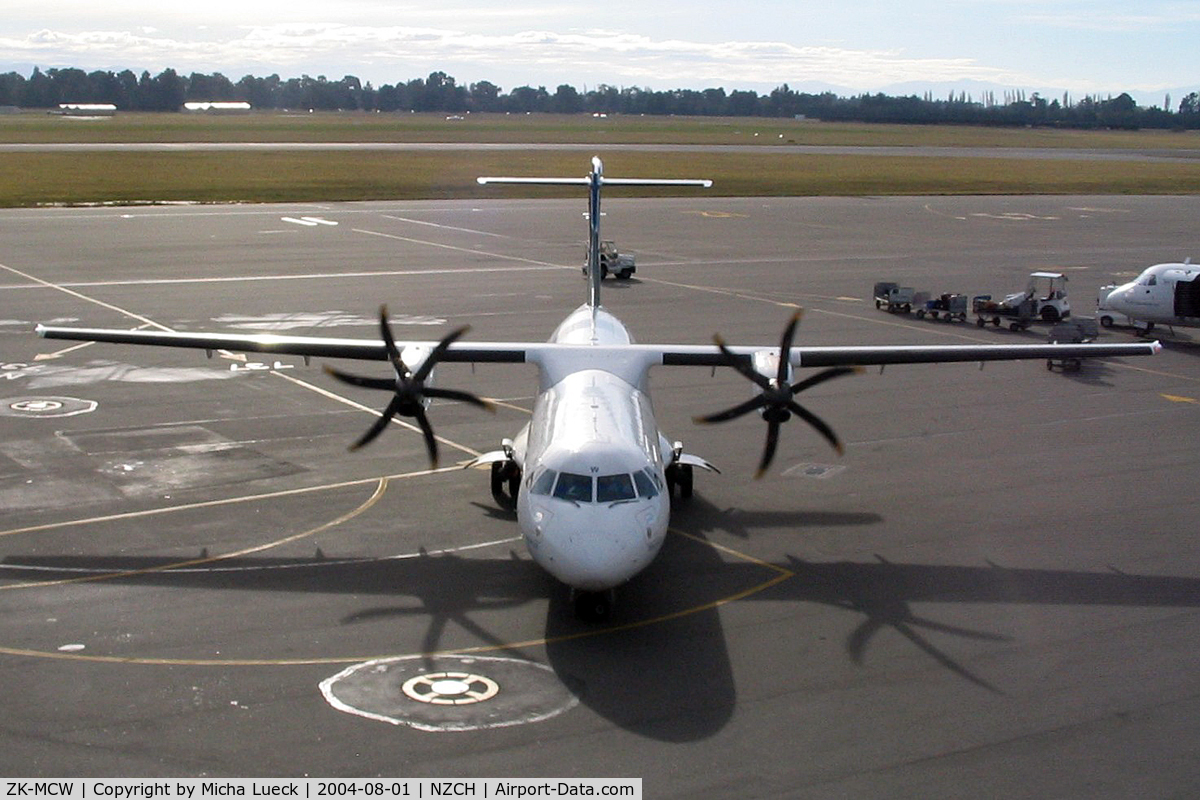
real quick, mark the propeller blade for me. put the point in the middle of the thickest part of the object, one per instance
(775, 400)
(378, 426)
(732, 413)
(824, 375)
(430, 440)
(769, 449)
(785, 347)
(740, 364)
(819, 425)
(358, 380)
(389, 343)
(465, 397)
(435, 356)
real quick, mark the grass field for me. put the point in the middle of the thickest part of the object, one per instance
(39, 177)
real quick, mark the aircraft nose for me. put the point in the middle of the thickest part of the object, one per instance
(596, 560)
(596, 557)
(1118, 298)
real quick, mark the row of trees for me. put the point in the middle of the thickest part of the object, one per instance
(168, 91)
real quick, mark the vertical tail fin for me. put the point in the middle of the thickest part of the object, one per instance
(595, 180)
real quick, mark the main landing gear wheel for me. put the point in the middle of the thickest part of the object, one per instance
(506, 482)
(679, 476)
(592, 606)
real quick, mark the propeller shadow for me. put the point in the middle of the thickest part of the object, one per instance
(699, 516)
(661, 668)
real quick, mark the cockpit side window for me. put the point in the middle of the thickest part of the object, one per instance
(645, 485)
(574, 487)
(544, 482)
(610, 488)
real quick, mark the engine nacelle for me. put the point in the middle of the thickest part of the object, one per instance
(414, 357)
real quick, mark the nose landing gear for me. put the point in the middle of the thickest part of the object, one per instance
(592, 606)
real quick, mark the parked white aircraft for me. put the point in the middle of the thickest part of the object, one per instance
(1166, 294)
(591, 475)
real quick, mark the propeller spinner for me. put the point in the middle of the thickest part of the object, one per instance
(409, 392)
(777, 397)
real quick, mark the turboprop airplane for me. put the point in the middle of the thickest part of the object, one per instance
(591, 475)
(1166, 294)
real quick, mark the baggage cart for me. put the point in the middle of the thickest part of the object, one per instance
(1077, 331)
(946, 307)
(1017, 311)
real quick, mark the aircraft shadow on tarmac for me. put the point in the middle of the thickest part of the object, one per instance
(661, 667)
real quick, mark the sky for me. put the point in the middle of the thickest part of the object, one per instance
(853, 46)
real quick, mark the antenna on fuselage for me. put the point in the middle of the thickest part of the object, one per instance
(595, 180)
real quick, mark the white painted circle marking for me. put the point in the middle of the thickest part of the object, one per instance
(45, 406)
(36, 405)
(450, 692)
(450, 688)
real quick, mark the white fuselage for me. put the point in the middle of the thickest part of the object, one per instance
(1167, 294)
(593, 506)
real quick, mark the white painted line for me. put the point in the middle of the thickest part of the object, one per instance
(390, 273)
(463, 249)
(318, 221)
(47, 284)
(311, 564)
(63, 352)
(305, 222)
(444, 227)
(226, 501)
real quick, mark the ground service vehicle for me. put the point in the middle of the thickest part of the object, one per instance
(620, 265)
(893, 297)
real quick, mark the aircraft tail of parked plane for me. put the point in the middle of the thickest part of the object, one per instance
(595, 181)
(591, 474)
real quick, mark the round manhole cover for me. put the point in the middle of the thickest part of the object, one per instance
(449, 693)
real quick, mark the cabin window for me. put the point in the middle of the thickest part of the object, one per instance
(574, 487)
(645, 484)
(544, 482)
(611, 488)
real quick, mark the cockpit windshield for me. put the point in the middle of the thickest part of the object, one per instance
(578, 488)
(611, 488)
(573, 487)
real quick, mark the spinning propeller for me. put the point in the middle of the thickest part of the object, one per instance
(409, 392)
(776, 399)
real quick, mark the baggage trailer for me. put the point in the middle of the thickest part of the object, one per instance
(946, 307)
(1017, 310)
(1077, 331)
(893, 297)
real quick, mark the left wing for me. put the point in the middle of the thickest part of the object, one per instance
(307, 346)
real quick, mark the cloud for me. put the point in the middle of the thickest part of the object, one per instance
(1144, 18)
(545, 55)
